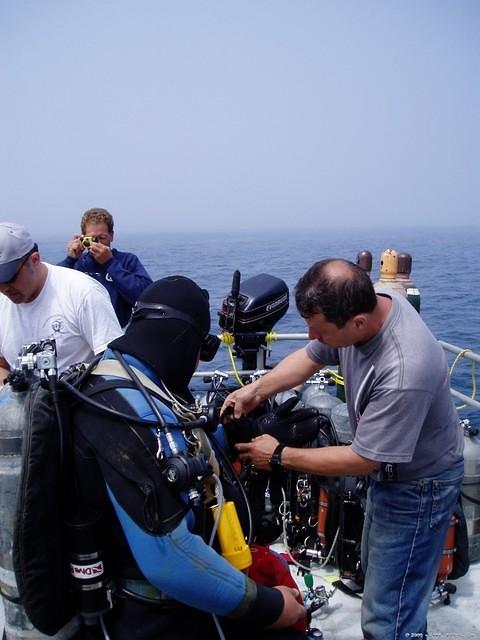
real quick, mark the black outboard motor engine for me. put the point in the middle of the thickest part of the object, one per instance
(249, 313)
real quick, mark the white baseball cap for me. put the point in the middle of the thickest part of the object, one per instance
(15, 243)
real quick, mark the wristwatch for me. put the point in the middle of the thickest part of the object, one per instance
(276, 459)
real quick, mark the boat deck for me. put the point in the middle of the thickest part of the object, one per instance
(339, 619)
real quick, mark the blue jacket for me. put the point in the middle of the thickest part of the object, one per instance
(123, 276)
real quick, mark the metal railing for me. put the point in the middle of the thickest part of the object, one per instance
(451, 348)
(469, 355)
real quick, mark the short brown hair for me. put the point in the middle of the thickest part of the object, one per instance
(97, 216)
(339, 296)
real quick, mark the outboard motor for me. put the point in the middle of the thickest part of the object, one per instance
(249, 314)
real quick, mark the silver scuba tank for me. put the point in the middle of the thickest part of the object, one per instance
(283, 396)
(11, 416)
(318, 398)
(17, 625)
(315, 394)
(471, 488)
(341, 422)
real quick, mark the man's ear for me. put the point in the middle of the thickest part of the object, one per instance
(359, 321)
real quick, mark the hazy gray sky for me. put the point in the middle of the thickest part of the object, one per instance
(231, 114)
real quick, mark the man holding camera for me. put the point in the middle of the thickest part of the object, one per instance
(42, 301)
(121, 273)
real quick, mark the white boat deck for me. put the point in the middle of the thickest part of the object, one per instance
(339, 619)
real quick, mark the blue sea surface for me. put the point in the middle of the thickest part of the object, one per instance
(446, 268)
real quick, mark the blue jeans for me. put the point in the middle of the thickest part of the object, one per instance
(403, 537)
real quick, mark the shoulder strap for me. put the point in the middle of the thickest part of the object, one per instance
(114, 368)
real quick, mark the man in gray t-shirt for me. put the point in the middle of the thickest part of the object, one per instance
(407, 436)
(398, 396)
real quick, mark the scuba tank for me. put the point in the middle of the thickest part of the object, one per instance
(315, 396)
(322, 516)
(404, 268)
(283, 396)
(364, 260)
(388, 272)
(446, 559)
(11, 420)
(471, 489)
(341, 423)
(12, 417)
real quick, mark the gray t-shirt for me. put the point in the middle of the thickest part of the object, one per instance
(398, 395)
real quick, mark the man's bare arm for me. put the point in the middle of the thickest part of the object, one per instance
(328, 461)
(290, 372)
(325, 461)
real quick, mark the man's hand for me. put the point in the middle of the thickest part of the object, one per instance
(4, 370)
(74, 247)
(242, 401)
(290, 372)
(292, 428)
(259, 451)
(292, 610)
(100, 252)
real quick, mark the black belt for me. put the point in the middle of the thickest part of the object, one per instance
(144, 592)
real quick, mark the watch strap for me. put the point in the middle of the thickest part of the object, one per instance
(276, 459)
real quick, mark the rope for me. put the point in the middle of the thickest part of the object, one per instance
(472, 375)
(336, 377)
(229, 340)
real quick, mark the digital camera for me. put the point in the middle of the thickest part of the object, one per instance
(87, 241)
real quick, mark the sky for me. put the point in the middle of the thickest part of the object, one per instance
(230, 115)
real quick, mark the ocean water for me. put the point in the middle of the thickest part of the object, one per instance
(446, 270)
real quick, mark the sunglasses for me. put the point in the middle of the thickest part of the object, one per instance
(17, 272)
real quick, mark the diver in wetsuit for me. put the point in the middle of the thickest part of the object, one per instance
(168, 579)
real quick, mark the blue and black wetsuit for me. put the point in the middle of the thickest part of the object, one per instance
(169, 577)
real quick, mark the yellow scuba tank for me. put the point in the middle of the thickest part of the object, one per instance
(388, 272)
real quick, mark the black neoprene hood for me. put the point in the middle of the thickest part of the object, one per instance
(169, 344)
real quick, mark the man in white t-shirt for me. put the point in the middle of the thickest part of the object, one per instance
(42, 301)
